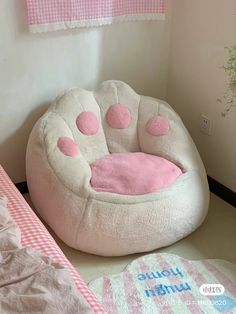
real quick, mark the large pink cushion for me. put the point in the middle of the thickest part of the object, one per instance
(133, 173)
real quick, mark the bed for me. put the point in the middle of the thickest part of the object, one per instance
(35, 235)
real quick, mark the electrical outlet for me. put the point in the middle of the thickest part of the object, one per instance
(205, 124)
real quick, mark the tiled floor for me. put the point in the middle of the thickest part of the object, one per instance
(216, 238)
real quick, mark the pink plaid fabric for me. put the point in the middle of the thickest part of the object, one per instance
(34, 234)
(56, 14)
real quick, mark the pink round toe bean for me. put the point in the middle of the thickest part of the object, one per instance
(118, 116)
(158, 125)
(87, 123)
(67, 146)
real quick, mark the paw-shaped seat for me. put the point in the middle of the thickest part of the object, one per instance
(114, 173)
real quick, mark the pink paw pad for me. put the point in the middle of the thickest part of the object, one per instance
(158, 125)
(67, 146)
(87, 123)
(118, 116)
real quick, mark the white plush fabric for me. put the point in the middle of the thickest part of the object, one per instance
(107, 223)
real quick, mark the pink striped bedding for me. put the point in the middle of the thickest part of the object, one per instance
(34, 234)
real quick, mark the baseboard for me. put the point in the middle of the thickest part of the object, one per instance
(215, 187)
(222, 191)
(22, 187)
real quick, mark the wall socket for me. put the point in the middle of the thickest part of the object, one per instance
(205, 124)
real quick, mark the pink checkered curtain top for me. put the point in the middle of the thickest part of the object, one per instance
(49, 15)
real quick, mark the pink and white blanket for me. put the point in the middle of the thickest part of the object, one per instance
(34, 234)
(49, 15)
(30, 282)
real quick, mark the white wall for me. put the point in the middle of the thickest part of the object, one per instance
(200, 31)
(35, 68)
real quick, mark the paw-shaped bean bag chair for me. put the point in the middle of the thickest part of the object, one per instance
(114, 173)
